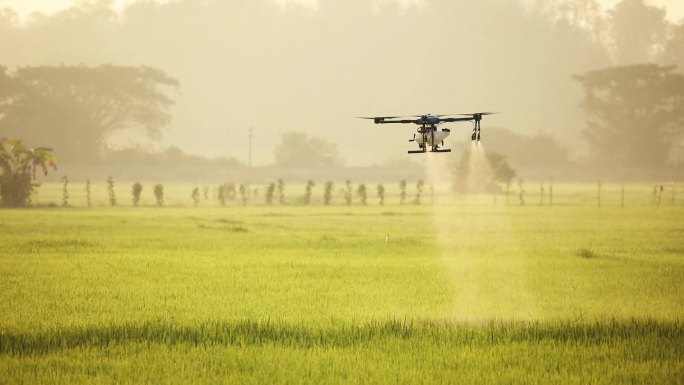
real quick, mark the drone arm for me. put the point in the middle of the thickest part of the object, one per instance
(449, 120)
(405, 121)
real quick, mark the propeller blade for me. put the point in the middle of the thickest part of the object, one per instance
(478, 113)
(389, 117)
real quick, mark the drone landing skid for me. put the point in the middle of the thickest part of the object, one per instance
(434, 150)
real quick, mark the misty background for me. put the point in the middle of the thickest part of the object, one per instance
(313, 66)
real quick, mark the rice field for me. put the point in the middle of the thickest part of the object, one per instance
(463, 291)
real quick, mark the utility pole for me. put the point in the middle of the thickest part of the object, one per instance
(249, 162)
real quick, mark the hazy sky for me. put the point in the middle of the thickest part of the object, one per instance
(675, 8)
(287, 76)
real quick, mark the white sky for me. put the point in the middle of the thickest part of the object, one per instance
(675, 8)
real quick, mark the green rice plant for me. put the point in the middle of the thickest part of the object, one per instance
(317, 294)
(586, 253)
(136, 192)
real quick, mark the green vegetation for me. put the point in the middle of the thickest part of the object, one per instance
(110, 191)
(18, 165)
(57, 104)
(136, 191)
(309, 190)
(195, 196)
(463, 291)
(159, 194)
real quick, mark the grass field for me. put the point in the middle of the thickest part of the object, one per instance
(461, 292)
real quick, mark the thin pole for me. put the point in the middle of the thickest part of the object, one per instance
(251, 129)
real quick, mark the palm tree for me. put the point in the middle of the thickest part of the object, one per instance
(18, 164)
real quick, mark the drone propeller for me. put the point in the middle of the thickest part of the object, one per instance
(378, 117)
(390, 117)
(478, 113)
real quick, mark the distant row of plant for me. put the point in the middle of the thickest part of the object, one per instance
(273, 193)
(19, 164)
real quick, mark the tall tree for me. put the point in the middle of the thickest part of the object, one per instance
(634, 113)
(584, 14)
(674, 48)
(300, 150)
(77, 109)
(478, 173)
(638, 30)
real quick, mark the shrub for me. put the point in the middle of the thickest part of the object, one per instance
(222, 195)
(243, 189)
(110, 191)
(195, 196)
(361, 192)
(328, 192)
(159, 194)
(280, 191)
(270, 193)
(476, 173)
(136, 191)
(88, 192)
(229, 191)
(18, 165)
(307, 195)
(381, 193)
(65, 191)
(419, 191)
(348, 193)
(402, 192)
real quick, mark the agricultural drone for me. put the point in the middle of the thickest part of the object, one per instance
(428, 135)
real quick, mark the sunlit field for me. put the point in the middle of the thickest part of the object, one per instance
(466, 290)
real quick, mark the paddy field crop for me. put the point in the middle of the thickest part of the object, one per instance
(463, 291)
